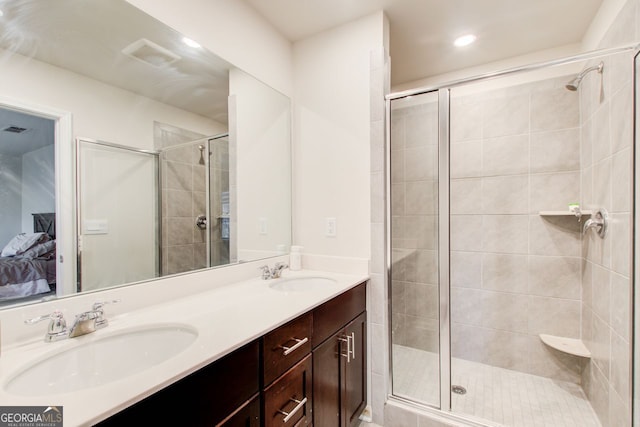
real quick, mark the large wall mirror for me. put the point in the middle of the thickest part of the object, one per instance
(129, 153)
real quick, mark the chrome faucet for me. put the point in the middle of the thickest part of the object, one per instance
(85, 322)
(91, 320)
(273, 273)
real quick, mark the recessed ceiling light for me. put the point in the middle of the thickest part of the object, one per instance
(465, 40)
(1, 13)
(191, 43)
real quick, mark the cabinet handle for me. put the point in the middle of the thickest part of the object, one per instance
(347, 339)
(288, 415)
(297, 345)
(352, 347)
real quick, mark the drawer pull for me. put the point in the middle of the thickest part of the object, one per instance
(297, 345)
(347, 339)
(353, 345)
(288, 415)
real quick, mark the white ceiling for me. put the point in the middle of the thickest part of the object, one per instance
(422, 31)
(39, 133)
(87, 37)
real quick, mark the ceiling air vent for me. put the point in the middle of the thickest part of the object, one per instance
(147, 51)
(14, 129)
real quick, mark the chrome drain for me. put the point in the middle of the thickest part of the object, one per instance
(458, 389)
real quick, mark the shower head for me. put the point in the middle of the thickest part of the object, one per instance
(574, 84)
(201, 148)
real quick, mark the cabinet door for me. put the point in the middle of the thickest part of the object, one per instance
(206, 397)
(354, 379)
(289, 399)
(326, 382)
(247, 416)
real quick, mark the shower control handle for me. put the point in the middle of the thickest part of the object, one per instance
(201, 222)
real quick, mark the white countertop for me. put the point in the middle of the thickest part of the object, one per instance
(226, 318)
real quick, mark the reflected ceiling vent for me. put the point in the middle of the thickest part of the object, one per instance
(147, 51)
(14, 129)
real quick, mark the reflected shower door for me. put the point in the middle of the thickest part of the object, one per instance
(415, 350)
(118, 226)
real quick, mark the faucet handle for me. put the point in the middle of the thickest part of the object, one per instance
(266, 272)
(98, 305)
(277, 269)
(57, 325)
(100, 321)
(56, 315)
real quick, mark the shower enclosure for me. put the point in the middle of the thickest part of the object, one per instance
(505, 309)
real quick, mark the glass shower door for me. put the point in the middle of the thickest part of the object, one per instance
(117, 208)
(415, 343)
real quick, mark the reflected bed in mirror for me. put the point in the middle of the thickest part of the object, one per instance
(165, 158)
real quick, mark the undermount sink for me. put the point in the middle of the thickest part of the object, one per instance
(101, 360)
(302, 284)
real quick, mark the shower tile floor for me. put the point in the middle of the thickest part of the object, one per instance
(495, 396)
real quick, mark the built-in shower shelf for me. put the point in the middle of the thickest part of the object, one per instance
(563, 213)
(566, 345)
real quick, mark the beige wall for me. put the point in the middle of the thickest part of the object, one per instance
(331, 137)
(260, 134)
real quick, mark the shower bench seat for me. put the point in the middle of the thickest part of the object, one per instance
(567, 345)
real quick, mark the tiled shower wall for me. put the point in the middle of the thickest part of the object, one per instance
(515, 274)
(183, 199)
(377, 291)
(414, 204)
(607, 136)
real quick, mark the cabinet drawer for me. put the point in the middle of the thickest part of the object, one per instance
(284, 400)
(285, 346)
(336, 313)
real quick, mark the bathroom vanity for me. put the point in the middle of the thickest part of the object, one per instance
(258, 352)
(310, 371)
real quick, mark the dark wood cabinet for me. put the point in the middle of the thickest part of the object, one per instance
(354, 380)
(285, 346)
(205, 398)
(288, 401)
(339, 362)
(326, 382)
(309, 371)
(247, 415)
